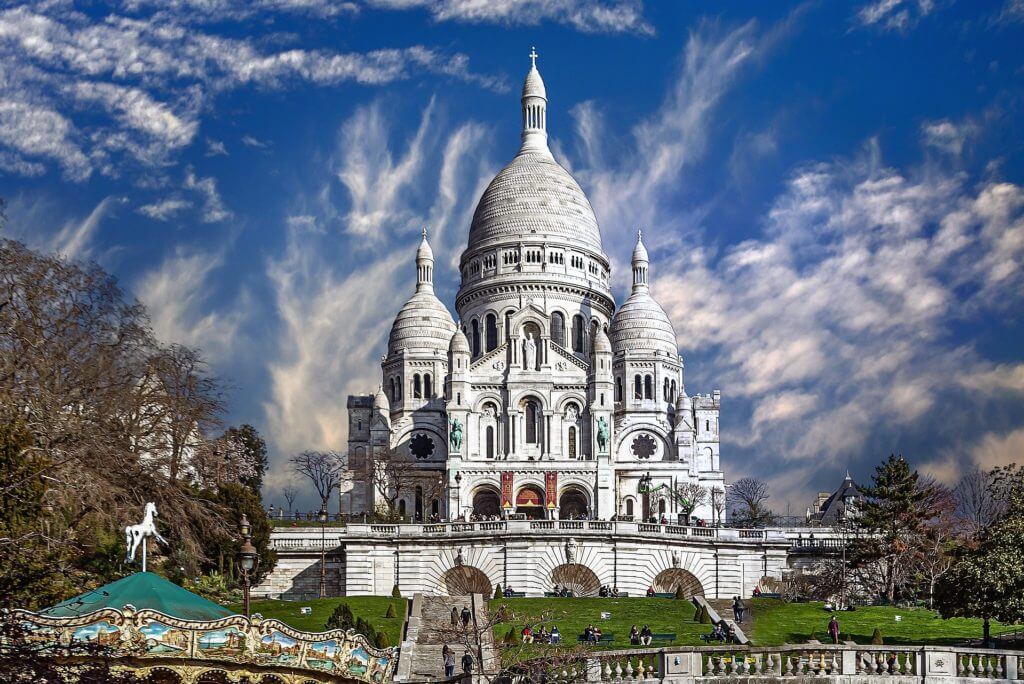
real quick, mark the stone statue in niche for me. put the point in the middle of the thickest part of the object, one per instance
(675, 559)
(602, 434)
(570, 551)
(530, 352)
(455, 434)
(572, 414)
(459, 557)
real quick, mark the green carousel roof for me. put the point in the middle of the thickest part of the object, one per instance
(141, 590)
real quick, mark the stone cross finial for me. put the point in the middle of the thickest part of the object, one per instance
(424, 233)
(533, 57)
(639, 234)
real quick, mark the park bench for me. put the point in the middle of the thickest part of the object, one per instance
(551, 594)
(667, 637)
(605, 639)
(771, 596)
(667, 594)
(515, 594)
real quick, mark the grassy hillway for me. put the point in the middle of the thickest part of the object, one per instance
(370, 608)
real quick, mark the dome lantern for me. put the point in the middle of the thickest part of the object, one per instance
(641, 263)
(534, 110)
(424, 266)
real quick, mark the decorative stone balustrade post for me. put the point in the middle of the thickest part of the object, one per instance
(593, 669)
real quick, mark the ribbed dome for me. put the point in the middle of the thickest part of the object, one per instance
(459, 343)
(531, 197)
(601, 342)
(533, 86)
(641, 325)
(380, 400)
(423, 324)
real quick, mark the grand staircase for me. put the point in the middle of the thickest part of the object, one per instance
(429, 629)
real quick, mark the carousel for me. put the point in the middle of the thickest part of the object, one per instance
(156, 631)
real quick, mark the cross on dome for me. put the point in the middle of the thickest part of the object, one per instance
(533, 57)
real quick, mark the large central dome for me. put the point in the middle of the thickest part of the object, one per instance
(534, 197)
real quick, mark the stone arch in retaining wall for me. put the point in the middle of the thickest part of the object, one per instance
(579, 578)
(670, 580)
(465, 579)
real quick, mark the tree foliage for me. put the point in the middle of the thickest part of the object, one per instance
(100, 418)
(987, 581)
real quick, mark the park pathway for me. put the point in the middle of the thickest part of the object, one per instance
(429, 629)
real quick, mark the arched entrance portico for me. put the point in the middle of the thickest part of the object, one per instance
(668, 581)
(486, 502)
(573, 504)
(465, 579)
(530, 501)
(579, 578)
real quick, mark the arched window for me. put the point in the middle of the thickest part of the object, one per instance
(638, 390)
(427, 389)
(531, 422)
(707, 426)
(648, 387)
(572, 441)
(629, 507)
(618, 389)
(475, 327)
(394, 392)
(558, 328)
(491, 326)
(417, 388)
(665, 392)
(508, 326)
(401, 507)
(577, 333)
(661, 506)
(673, 395)
(593, 336)
(489, 439)
(398, 387)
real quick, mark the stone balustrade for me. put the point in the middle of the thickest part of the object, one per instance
(309, 538)
(817, 662)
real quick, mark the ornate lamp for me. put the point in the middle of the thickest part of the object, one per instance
(248, 559)
(322, 517)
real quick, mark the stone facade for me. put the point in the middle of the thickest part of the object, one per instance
(545, 400)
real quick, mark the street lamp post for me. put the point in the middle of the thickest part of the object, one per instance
(248, 559)
(714, 507)
(458, 495)
(323, 550)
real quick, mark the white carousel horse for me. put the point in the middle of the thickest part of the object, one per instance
(135, 534)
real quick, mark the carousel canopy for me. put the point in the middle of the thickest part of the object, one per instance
(141, 590)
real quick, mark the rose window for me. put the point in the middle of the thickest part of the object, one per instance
(644, 446)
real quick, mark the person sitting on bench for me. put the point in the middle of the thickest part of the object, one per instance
(650, 592)
(645, 636)
(634, 636)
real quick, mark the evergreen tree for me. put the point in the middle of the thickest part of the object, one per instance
(894, 514)
(988, 579)
(341, 618)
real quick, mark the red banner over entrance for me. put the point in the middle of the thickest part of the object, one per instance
(551, 488)
(506, 489)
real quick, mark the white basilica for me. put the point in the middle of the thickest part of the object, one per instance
(545, 399)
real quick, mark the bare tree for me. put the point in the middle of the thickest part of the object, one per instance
(396, 477)
(290, 491)
(976, 506)
(325, 469)
(746, 499)
(689, 496)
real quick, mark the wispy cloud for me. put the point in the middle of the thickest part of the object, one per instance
(164, 209)
(90, 94)
(893, 15)
(334, 314)
(213, 207)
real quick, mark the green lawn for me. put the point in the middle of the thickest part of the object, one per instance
(572, 615)
(777, 622)
(370, 608)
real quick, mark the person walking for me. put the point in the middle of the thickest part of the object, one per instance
(449, 661)
(466, 615)
(737, 609)
(833, 629)
(455, 616)
(467, 663)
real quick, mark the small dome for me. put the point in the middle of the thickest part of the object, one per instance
(459, 343)
(533, 86)
(424, 252)
(640, 251)
(380, 400)
(601, 342)
(683, 402)
(641, 325)
(422, 325)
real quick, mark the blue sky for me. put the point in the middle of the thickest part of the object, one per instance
(832, 194)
